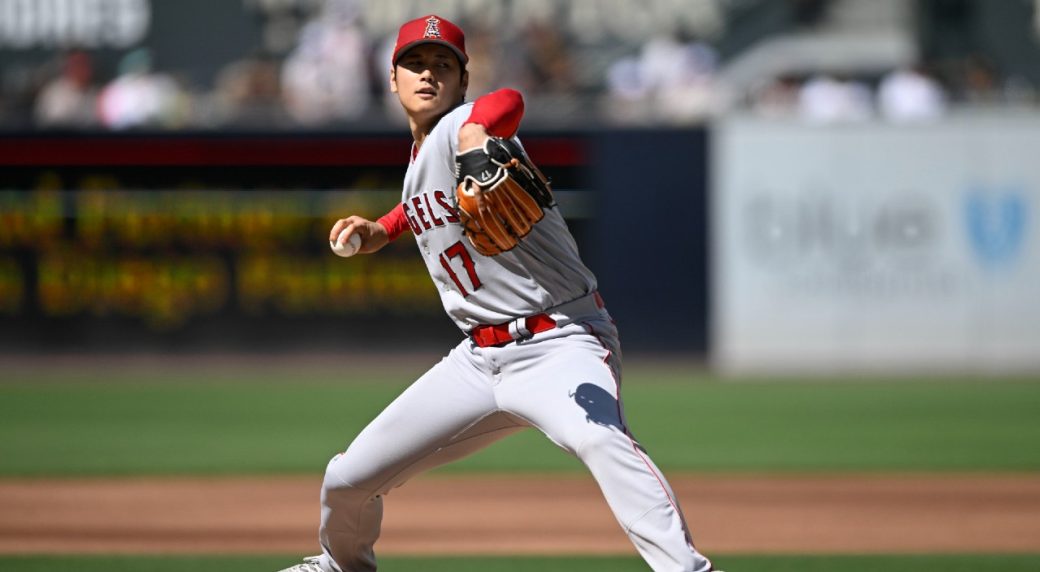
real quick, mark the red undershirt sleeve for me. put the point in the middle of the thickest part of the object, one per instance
(499, 112)
(394, 222)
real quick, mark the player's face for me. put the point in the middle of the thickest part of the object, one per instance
(429, 81)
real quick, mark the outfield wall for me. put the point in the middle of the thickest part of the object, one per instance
(216, 241)
(821, 248)
(876, 247)
(194, 242)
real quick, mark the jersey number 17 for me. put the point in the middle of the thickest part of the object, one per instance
(458, 250)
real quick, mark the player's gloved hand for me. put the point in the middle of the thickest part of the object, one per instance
(500, 195)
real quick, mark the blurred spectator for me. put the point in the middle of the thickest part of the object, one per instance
(980, 81)
(381, 62)
(70, 99)
(485, 66)
(139, 97)
(659, 61)
(827, 99)
(540, 61)
(326, 78)
(909, 95)
(777, 99)
(669, 81)
(627, 98)
(248, 93)
(975, 80)
(694, 92)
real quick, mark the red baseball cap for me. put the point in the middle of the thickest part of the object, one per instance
(430, 29)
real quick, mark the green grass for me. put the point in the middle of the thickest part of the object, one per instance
(885, 563)
(118, 424)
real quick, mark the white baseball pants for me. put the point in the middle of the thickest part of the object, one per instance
(563, 382)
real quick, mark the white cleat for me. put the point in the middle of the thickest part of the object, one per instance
(310, 564)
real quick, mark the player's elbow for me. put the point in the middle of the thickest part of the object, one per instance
(500, 112)
(513, 99)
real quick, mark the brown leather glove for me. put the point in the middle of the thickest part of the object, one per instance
(500, 195)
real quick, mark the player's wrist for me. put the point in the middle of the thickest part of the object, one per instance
(472, 136)
(380, 227)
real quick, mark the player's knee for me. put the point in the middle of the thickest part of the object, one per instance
(341, 482)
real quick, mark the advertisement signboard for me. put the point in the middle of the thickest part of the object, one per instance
(875, 247)
(217, 242)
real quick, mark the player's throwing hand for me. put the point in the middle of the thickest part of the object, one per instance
(373, 235)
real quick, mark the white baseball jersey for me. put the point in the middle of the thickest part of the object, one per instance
(542, 272)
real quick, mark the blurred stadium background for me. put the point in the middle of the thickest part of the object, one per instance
(831, 183)
(773, 190)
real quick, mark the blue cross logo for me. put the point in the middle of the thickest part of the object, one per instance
(997, 222)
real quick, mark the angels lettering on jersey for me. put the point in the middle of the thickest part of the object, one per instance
(424, 214)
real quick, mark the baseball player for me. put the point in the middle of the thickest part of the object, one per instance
(540, 349)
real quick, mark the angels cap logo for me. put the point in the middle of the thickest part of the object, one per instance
(433, 28)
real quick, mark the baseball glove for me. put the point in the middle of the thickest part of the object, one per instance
(500, 195)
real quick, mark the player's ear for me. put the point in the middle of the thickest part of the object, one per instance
(464, 82)
(393, 79)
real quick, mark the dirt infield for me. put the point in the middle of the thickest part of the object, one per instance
(544, 515)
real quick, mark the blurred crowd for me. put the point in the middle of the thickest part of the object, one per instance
(672, 81)
(913, 93)
(337, 74)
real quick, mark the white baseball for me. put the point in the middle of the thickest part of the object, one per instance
(347, 249)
